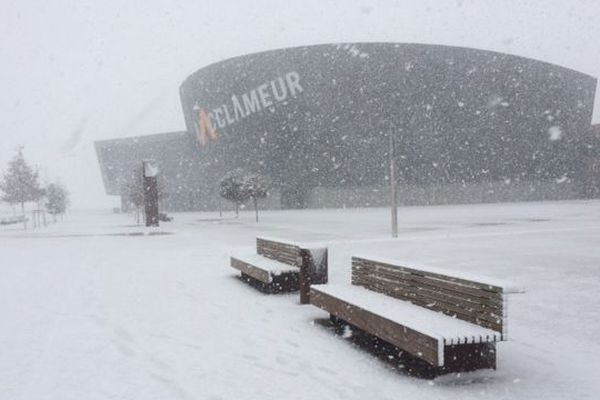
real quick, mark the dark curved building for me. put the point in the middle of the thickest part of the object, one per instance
(468, 125)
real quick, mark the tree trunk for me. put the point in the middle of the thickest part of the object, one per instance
(237, 209)
(255, 208)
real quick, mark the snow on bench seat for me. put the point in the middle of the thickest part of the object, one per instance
(260, 267)
(431, 323)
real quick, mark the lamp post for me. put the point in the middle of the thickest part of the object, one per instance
(393, 186)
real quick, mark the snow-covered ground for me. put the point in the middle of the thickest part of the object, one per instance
(90, 311)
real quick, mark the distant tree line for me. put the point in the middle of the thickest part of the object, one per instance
(20, 185)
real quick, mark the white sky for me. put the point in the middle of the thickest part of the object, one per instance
(72, 72)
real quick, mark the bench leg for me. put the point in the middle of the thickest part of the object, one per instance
(255, 283)
(280, 284)
(339, 325)
(336, 321)
(285, 283)
(469, 357)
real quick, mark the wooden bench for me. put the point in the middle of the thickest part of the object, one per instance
(12, 220)
(446, 322)
(283, 266)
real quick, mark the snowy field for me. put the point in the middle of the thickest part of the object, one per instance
(90, 311)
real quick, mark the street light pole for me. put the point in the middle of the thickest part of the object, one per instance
(393, 189)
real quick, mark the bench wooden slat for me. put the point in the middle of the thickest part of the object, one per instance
(284, 252)
(434, 273)
(360, 267)
(491, 321)
(424, 277)
(474, 302)
(454, 306)
(361, 278)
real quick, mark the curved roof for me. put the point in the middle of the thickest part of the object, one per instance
(394, 44)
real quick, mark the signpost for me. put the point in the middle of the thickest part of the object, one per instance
(149, 174)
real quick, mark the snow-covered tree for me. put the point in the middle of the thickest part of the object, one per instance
(239, 185)
(57, 199)
(234, 189)
(134, 189)
(20, 183)
(257, 186)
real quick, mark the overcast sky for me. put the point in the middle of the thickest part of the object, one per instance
(72, 72)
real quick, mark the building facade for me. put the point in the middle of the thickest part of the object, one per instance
(468, 126)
